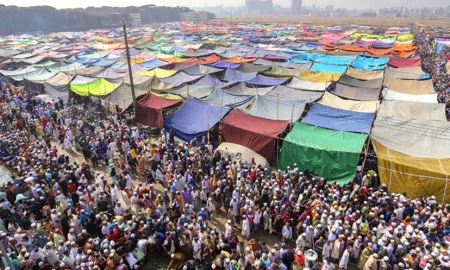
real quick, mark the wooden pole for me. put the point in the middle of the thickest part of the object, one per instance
(129, 67)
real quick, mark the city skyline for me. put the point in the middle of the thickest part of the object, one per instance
(202, 3)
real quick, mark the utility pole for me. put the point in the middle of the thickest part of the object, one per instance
(129, 67)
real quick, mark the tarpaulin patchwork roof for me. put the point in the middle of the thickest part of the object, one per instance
(317, 67)
(410, 86)
(364, 74)
(300, 84)
(329, 153)
(375, 83)
(221, 98)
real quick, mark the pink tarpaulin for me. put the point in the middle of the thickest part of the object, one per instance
(402, 63)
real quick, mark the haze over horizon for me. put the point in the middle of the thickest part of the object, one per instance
(202, 3)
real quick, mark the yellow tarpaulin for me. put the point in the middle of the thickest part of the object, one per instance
(158, 72)
(168, 96)
(364, 74)
(413, 175)
(331, 100)
(322, 76)
(413, 87)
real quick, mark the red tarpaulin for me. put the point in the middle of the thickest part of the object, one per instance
(252, 132)
(402, 63)
(148, 110)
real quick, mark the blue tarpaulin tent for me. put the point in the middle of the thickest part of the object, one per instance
(317, 67)
(337, 119)
(193, 119)
(265, 80)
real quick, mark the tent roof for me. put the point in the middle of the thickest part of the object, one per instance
(334, 101)
(194, 118)
(232, 149)
(364, 74)
(418, 138)
(337, 119)
(95, 87)
(375, 83)
(413, 110)
(284, 92)
(300, 84)
(357, 93)
(390, 94)
(410, 86)
(277, 109)
(155, 102)
(220, 97)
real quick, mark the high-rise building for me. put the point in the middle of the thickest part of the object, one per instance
(296, 6)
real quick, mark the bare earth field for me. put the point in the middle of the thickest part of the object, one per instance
(392, 22)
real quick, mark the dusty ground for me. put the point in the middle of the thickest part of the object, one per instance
(393, 22)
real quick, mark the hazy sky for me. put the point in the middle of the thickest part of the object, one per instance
(198, 3)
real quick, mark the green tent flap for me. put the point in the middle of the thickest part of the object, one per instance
(330, 153)
(99, 87)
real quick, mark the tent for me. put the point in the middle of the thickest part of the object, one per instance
(266, 81)
(330, 153)
(187, 90)
(410, 73)
(390, 94)
(338, 119)
(232, 75)
(194, 119)
(284, 91)
(85, 86)
(370, 63)
(58, 86)
(300, 84)
(148, 110)
(220, 97)
(254, 132)
(39, 75)
(364, 74)
(334, 101)
(122, 96)
(410, 86)
(243, 89)
(356, 93)
(375, 83)
(250, 68)
(322, 76)
(342, 60)
(277, 108)
(317, 67)
(413, 110)
(403, 63)
(413, 155)
(241, 153)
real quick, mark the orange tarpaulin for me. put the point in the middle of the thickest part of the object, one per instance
(209, 59)
(134, 61)
(353, 48)
(404, 54)
(238, 60)
(330, 47)
(175, 59)
(404, 47)
(376, 51)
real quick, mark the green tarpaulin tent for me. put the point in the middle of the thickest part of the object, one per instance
(330, 153)
(98, 87)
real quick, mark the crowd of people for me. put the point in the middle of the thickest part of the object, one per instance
(433, 63)
(135, 197)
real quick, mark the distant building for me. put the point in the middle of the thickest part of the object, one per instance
(135, 18)
(329, 8)
(259, 6)
(296, 6)
(201, 16)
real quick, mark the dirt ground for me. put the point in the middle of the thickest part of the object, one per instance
(368, 21)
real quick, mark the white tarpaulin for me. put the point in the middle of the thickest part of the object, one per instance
(390, 94)
(331, 100)
(413, 110)
(418, 138)
(300, 84)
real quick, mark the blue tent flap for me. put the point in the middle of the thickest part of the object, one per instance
(194, 118)
(337, 119)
